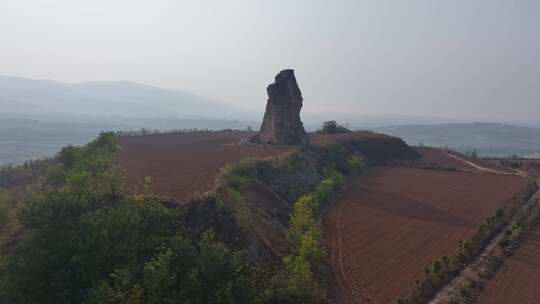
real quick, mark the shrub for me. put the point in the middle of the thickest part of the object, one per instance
(6, 205)
(333, 158)
(356, 164)
(302, 218)
(307, 252)
(238, 206)
(332, 127)
(239, 174)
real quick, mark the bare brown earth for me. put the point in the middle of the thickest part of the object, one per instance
(517, 281)
(393, 222)
(482, 163)
(182, 165)
(435, 158)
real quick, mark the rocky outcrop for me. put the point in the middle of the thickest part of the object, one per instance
(281, 124)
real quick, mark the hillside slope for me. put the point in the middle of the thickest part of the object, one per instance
(390, 224)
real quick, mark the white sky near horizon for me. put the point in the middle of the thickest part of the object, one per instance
(474, 59)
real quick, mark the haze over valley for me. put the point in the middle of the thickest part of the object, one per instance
(41, 116)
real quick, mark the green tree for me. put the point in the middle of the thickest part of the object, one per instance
(332, 127)
(356, 163)
(302, 218)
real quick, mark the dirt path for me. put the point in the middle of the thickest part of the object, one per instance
(517, 280)
(481, 168)
(471, 272)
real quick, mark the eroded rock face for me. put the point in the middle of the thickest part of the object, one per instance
(281, 124)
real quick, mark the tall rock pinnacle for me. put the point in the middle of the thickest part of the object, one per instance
(281, 124)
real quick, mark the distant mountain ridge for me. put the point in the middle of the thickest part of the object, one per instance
(489, 139)
(23, 96)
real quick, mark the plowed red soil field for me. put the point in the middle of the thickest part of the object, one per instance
(435, 158)
(390, 224)
(182, 164)
(439, 159)
(517, 281)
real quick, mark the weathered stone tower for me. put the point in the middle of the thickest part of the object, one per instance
(281, 124)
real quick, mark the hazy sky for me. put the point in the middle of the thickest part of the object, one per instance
(471, 58)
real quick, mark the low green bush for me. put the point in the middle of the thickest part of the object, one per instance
(6, 205)
(332, 127)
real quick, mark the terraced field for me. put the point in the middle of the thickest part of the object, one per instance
(390, 224)
(184, 164)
